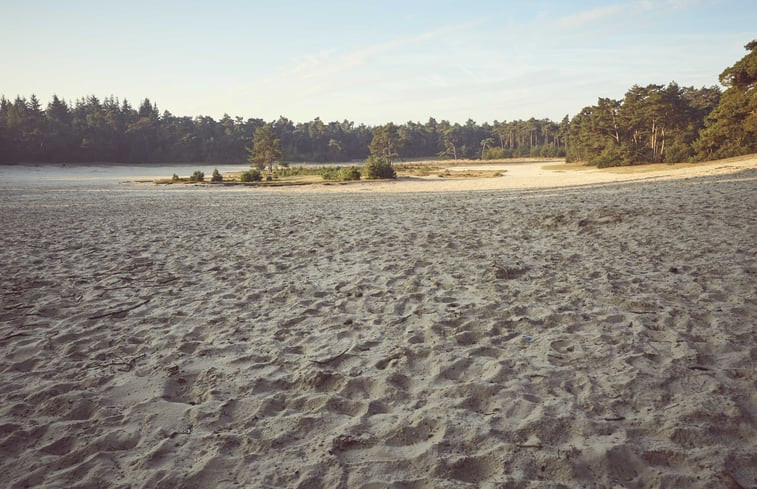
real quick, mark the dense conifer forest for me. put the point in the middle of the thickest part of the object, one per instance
(653, 123)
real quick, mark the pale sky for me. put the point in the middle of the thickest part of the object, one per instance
(367, 61)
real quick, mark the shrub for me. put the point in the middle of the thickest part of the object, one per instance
(251, 176)
(197, 176)
(349, 173)
(378, 167)
(343, 174)
(329, 173)
(613, 155)
(678, 152)
(216, 177)
(497, 153)
(297, 171)
(175, 178)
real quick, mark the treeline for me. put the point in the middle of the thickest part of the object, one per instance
(652, 124)
(655, 123)
(109, 130)
(94, 130)
(659, 123)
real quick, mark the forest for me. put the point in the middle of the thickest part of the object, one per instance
(653, 123)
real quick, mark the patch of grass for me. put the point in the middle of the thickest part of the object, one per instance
(298, 171)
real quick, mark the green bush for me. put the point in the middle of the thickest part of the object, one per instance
(343, 174)
(378, 167)
(251, 176)
(175, 178)
(349, 173)
(197, 176)
(678, 152)
(497, 153)
(297, 171)
(329, 173)
(216, 177)
(613, 155)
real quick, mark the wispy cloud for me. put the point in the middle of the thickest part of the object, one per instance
(328, 63)
(606, 13)
(588, 17)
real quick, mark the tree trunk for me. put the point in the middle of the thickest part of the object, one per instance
(653, 140)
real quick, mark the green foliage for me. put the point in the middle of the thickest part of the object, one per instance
(378, 167)
(655, 123)
(343, 174)
(175, 178)
(613, 156)
(197, 176)
(266, 148)
(350, 173)
(678, 152)
(106, 130)
(251, 176)
(297, 171)
(216, 177)
(385, 143)
(732, 127)
(497, 153)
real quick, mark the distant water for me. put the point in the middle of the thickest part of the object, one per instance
(100, 175)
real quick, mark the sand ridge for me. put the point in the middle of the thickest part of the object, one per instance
(598, 336)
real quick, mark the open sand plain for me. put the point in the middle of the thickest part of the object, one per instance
(576, 328)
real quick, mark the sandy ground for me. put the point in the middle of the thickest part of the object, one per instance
(601, 334)
(538, 175)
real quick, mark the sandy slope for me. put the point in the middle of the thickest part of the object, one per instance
(597, 336)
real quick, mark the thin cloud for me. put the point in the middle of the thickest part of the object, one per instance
(590, 17)
(601, 14)
(330, 63)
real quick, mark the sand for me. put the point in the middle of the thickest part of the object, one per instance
(582, 328)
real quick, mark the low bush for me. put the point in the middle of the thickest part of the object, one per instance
(329, 173)
(251, 176)
(343, 174)
(378, 167)
(613, 155)
(349, 173)
(216, 177)
(197, 176)
(297, 171)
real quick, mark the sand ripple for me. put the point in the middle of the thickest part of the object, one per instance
(595, 337)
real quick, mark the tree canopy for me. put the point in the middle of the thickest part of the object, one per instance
(654, 123)
(731, 129)
(385, 143)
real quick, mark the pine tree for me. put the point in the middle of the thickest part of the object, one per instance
(266, 148)
(732, 127)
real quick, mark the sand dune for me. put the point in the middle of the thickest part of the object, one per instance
(333, 336)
